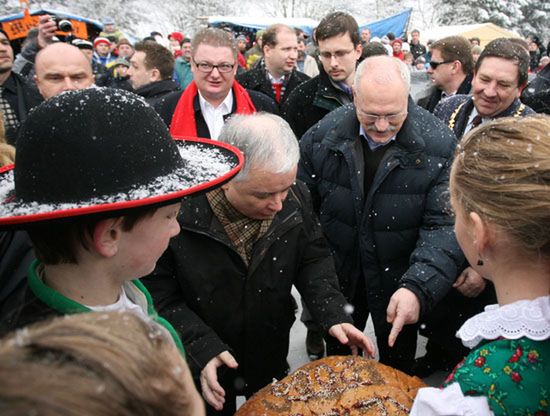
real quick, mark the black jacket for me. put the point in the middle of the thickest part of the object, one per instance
(166, 106)
(431, 101)
(455, 112)
(22, 97)
(155, 91)
(537, 93)
(417, 50)
(398, 234)
(16, 254)
(256, 79)
(311, 101)
(217, 303)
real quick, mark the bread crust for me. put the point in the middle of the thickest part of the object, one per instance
(336, 385)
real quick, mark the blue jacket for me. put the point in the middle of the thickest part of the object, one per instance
(400, 233)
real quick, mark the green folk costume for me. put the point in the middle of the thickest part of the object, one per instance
(65, 306)
(514, 375)
(508, 370)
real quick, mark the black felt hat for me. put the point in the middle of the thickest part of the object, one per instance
(101, 149)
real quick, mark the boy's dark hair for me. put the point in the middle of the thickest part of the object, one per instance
(506, 49)
(338, 23)
(456, 48)
(56, 242)
(157, 56)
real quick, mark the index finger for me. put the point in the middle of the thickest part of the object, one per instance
(396, 328)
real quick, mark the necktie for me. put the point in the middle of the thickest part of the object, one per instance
(277, 87)
(476, 121)
(10, 119)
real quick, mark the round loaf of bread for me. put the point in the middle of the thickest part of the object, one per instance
(336, 385)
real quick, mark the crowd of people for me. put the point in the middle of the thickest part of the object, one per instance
(208, 175)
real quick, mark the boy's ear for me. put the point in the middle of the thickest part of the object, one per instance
(106, 236)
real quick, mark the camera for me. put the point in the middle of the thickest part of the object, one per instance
(63, 24)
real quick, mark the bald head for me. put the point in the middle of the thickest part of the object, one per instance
(383, 72)
(381, 91)
(61, 67)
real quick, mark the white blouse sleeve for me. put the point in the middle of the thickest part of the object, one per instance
(449, 402)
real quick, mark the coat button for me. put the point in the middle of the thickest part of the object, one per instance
(418, 161)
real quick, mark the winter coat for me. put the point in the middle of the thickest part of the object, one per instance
(155, 91)
(109, 80)
(16, 254)
(22, 96)
(417, 49)
(431, 101)
(311, 101)
(166, 106)
(537, 93)
(217, 302)
(455, 112)
(398, 234)
(182, 73)
(256, 79)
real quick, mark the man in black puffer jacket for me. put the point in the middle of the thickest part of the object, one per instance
(378, 172)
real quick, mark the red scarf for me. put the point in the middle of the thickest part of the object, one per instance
(183, 120)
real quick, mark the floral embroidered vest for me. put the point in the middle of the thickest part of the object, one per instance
(514, 375)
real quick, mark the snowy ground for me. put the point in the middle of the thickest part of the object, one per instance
(297, 355)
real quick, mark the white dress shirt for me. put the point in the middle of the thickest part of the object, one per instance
(213, 116)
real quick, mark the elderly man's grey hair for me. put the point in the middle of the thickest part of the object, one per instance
(389, 63)
(266, 140)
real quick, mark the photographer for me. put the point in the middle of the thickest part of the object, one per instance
(47, 26)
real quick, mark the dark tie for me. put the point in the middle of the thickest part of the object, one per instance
(476, 121)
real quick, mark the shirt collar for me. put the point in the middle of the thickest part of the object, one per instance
(524, 318)
(446, 95)
(372, 144)
(226, 105)
(274, 80)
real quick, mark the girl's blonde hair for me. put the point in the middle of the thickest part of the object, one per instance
(94, 364)
(502, 172)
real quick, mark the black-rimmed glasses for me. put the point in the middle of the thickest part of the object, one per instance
(208, 67)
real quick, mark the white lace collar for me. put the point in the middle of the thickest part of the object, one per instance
(524, 318)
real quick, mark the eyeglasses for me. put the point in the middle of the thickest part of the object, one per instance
(434, 65)
(338, 54)
(208, 67)
(390, 118)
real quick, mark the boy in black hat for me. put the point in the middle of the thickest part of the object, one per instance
(97, 185)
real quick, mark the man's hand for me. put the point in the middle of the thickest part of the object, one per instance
(404, 308)
(46, 30)
(470, 283)
(212, 391)
(349, 335)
